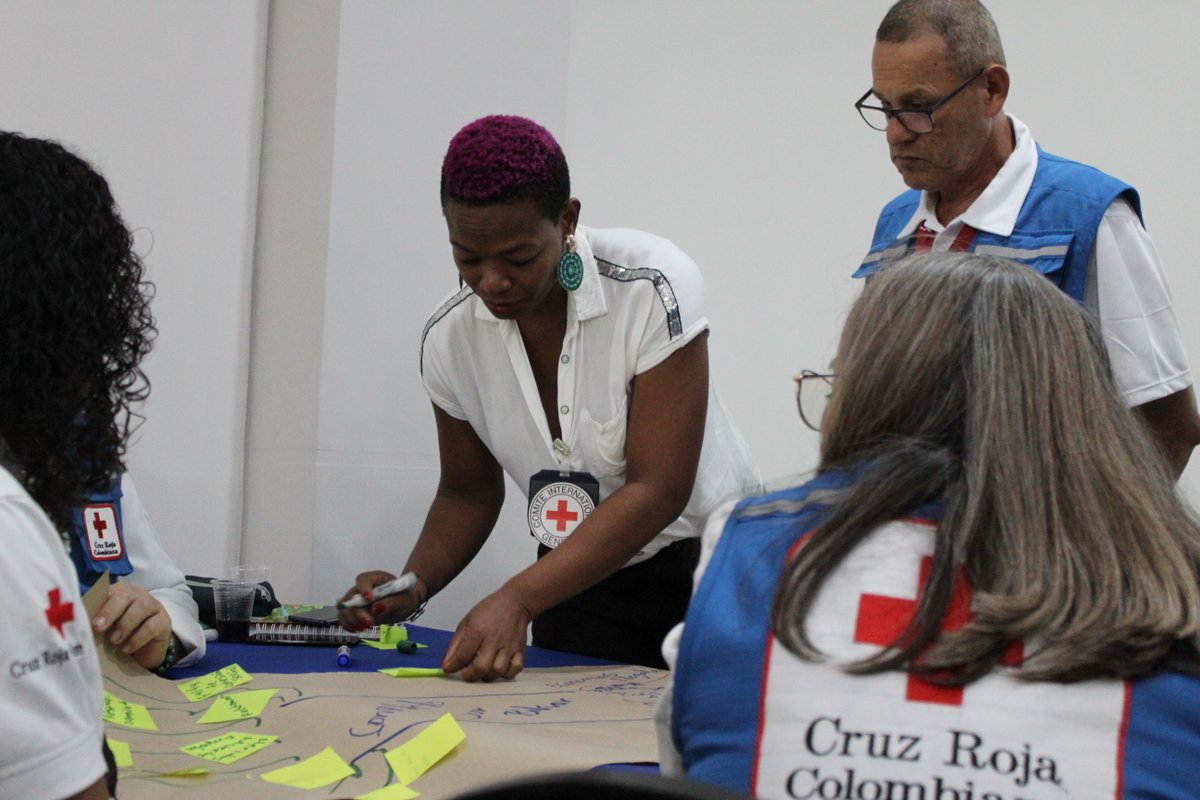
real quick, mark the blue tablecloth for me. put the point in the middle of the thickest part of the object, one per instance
(291, 658)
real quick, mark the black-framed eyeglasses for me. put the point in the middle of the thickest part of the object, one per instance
(914, 120)
(812, 395)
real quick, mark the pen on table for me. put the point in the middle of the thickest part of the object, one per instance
(385, 589)
(343, 656)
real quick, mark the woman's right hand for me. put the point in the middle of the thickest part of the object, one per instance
(394, 608)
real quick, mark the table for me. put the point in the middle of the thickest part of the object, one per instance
(564, 712)
(293, 659)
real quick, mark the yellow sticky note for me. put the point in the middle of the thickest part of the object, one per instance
(230, 747)
(131, 715)
(121, 752)
(388, 636)
(237, 705)
(312, 773)
(214, 683)
(413, 672)
(397, 791)
(413, 759)
(377, 645)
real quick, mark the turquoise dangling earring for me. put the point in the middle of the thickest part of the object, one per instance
(570, 266)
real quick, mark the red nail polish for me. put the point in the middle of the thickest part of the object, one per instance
(378, 608)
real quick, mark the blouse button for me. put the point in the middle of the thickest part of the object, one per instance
(565, 358)
(565, 409)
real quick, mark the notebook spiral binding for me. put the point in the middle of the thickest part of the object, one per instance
(293, 633)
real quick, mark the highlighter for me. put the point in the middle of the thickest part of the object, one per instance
(343, 656)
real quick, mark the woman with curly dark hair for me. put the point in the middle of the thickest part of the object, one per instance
(74, 310)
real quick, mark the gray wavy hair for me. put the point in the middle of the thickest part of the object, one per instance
(975, 379)
(966, 26)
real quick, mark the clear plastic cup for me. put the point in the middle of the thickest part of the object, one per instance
(233, 601)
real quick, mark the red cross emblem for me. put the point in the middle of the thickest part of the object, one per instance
(560, 516)
(882, 619)
(59, 613)
(99, 524)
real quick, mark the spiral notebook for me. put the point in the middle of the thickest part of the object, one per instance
(293, 633)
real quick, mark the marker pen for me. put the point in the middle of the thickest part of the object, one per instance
(343, 656)
(385, 589)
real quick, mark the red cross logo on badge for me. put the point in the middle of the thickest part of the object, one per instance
(59, 613)
(556, 510)
(103, 532)
(882, 619)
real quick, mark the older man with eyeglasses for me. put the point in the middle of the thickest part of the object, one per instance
(979, 182)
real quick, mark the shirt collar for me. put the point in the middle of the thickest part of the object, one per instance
(996, 209)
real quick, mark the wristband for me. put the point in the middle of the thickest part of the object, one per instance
(172, 655)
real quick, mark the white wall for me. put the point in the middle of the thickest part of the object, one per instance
(727, 127)
(165, 100)
(409, 76)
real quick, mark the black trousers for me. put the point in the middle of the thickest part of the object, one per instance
(626, 616)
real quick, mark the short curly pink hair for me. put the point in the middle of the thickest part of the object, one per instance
(501, 158)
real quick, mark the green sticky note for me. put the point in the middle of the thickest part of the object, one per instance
(397, 791)
(214, 683)
(324, 768)
(237, 705)
(388, 636)
(413, 759)
(228, 748)
(413, 672)
(121, 752)
(377, 645)
(131, 715)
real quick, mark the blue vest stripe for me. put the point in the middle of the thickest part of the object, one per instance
(1055, 229)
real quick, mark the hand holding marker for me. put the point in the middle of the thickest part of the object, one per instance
(385, 589)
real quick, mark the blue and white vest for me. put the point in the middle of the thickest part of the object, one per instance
(750, 716)
(99, 544)
(1054, 232)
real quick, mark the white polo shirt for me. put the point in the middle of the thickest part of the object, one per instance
(1126, 284)
(50, 685)
(642, 298)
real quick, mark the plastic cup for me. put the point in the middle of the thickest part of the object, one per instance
(233, 601)
(248, 573)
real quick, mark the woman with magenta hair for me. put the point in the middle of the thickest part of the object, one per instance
(575, 360)
(989, 590)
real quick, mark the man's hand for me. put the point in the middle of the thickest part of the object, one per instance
(133, 621)
(490, 641)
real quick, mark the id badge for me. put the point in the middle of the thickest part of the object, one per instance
(558, 502)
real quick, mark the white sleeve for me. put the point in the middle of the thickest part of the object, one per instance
(675, 306)
(155, 570)
(50, 683)
(1127, 288)
(669, 760)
